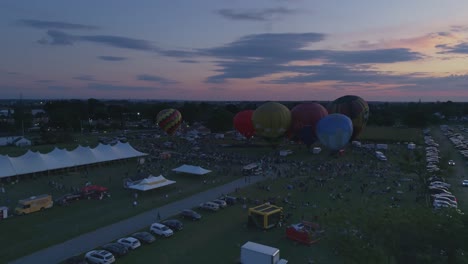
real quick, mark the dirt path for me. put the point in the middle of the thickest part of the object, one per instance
(455, 174)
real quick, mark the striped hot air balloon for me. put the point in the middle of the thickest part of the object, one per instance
(353, 107)
(169, 120)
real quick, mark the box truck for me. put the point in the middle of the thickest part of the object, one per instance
(33, 204)
(254, 253)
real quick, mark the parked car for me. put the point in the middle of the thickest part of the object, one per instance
(173, 224)
(451, 163)
(438, 183)
(444, 204)
(445, 199)
(465, 183)
(209, 206)
(221, 203)
(116, 249)
(144, 237)
(230, 200)
(99, 257)
(67, 198)
(161, 230)
(129, 242)
(438, 190)
(190, 214)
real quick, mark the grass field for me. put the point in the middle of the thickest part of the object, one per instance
(219, 236)
(392, 134)
(22, 235)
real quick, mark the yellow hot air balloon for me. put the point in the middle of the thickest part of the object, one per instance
(271, 120)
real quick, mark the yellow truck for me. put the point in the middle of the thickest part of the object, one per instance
(33, 204)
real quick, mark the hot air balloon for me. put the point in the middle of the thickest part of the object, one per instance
(169, 120)
(304, 118)
(353, 107)
(334, 131)
(243, 123)
(271, 120)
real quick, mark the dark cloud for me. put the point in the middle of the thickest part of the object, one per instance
(154, 78)
(370, 56)
(459, 28)
(110, 87)
(340, 73)
(189, 61)
(43, 24)
(56, 37)
(255, 14)
(12, 73)
(45, 81)
(84, 78)
(461, 48)
(263, 54)
(280, 47)
(111, 58)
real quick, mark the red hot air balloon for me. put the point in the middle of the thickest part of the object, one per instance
(304, 118)
(169, 120)
(243, 123)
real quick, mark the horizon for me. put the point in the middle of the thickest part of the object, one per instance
(268, 50)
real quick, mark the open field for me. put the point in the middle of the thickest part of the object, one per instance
(32, 232)
(219, 236)
(392, 134)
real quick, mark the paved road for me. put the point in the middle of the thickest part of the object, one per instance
(447, 149)
(91, 240)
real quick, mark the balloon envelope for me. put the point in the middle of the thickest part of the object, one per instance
(271, 120)
(243, 123)
(169, 120)
(334, 131)
(353, 107)
(304, 118)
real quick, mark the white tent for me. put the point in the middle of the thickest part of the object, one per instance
(6, 168)
(151, 182)
(191, 169)
(28, 163)
(32, 162)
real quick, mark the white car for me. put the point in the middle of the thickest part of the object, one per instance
(438, 204)
(465, 183)
(161, 230)
(451, 163)
(439, 183)
(99, 257)
(129, 242)
(209, 206)
(220, 202)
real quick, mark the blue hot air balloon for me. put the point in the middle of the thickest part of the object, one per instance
(334, 131)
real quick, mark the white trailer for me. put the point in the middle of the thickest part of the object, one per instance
(254, 253)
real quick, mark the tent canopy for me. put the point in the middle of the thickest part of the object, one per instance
(151, 182)
(32, 162)
(197, 170)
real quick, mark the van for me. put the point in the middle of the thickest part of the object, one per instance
(34, 204)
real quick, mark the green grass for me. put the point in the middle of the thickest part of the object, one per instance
(26, 234)
(219, 236)
(392, 134)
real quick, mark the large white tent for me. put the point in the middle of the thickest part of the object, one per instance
(151, 183)
(191, 169)
(32, 162)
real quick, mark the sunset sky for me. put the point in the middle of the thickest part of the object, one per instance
(234, 49)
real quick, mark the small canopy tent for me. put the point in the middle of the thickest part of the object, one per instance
(150, 183)
(191, 169)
